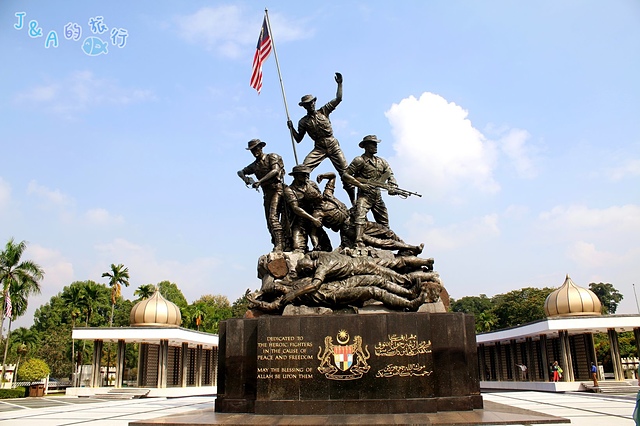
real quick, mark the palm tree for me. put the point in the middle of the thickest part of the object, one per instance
(19, 279)
(26, 340)
(145, 291)
(75, 299)
(93, 297)
(196, 314)
(19, 293)
(118, 276)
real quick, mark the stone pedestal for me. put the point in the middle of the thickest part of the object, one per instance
(348, 364)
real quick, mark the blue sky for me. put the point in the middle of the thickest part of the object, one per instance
(517, 121)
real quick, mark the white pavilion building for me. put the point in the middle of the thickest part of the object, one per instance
(172, 361)
(566, 335)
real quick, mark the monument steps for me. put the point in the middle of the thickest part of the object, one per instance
(612, 387)
(123, 393)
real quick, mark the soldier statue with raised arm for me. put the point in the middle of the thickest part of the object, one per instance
(318, 126)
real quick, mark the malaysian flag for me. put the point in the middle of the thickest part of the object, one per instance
(8, 308)
(263, 49)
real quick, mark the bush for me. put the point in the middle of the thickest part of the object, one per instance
(18, 392)
(33, 369)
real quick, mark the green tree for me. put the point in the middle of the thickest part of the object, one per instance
(485, 321)
(481, 307)
(19, 292)
(75, 299)
(145, 291)
(55, 349)
(608, 295)
(118, 277)
(96, 296)
(22, 277)
(33, 369)
(240, 307)
(24, 342)
(195, 314)
(520, 306)
(54, 322)
(172, 293)
(215, 308)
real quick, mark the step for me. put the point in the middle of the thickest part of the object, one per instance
(611, 387)
(123, 393)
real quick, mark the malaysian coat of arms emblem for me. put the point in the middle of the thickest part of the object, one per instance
(343, 361)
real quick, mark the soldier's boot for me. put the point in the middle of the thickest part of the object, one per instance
(278, 241)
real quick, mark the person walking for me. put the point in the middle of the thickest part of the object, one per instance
(594, 374)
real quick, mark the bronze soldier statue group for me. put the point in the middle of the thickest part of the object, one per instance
(364, 269)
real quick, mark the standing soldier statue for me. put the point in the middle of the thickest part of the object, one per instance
(369, 172)
(269, 169)
(317, 124)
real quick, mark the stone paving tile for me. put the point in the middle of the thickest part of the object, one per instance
(583, 410)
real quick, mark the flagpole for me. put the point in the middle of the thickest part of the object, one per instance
(284, 97)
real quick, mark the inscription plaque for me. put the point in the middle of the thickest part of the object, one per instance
(343, 364)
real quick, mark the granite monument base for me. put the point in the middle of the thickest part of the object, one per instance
(348, 364)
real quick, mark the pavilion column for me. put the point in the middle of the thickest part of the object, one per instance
(120, 357)
(615, 354)
(482, 362)
(515, 370)
(591, 351)
(95, 372)
(142, 364)
(499, 376)
(163, 357)
(199, 359)
(531, 365)
(565, 350)
(184, 364)
(545, 358)
(636, 335)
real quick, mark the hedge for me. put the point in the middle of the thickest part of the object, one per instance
(18, 392)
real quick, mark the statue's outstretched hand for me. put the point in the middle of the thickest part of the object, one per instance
(290, 124)
(338, 78)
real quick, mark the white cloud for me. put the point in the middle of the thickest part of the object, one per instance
(453, 236)
(40, 93)
(229, 31)
(516, 211)
(80, 91)
(437, 147)
(100, 216)
(194, 277)
(52, 196)
(66, 206)
(629, 168)
(586, 255)
(513, 144)
(595, 239)
(621, 220)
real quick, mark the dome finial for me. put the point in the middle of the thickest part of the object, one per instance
(155, 311)
(571, 299)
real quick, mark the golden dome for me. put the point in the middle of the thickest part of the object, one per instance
(155, 311)
(570, 300)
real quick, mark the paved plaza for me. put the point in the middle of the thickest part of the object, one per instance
(581, 408)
